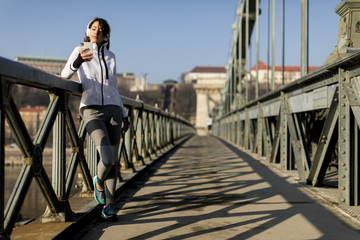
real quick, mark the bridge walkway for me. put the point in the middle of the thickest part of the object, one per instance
(209, 189)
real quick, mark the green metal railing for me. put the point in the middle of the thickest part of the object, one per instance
(309, 125)
(306, 126)
(152, 133)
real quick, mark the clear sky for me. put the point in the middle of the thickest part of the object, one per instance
(161, 38)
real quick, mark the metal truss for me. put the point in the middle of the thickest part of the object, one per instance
(306, 126)
(152, 131)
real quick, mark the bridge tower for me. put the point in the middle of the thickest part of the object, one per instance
(208, 96)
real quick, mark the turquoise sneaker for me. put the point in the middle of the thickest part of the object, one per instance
(108, 212)
(99, 195)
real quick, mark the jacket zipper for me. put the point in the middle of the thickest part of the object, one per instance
(102, 79)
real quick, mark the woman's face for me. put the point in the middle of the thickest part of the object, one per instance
(96, 33)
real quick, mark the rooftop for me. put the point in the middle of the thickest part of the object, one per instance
(263, 66)
(209, 69)
(40, 59)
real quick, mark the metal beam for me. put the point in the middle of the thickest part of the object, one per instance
(326, 145)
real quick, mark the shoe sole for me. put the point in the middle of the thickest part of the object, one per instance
(108, 217)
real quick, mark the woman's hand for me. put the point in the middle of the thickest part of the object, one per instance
(126, 124)
(86, 56)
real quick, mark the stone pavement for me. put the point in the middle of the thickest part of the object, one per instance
(209, 189)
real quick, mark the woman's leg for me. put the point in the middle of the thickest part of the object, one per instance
(114, 130)
(104, 127)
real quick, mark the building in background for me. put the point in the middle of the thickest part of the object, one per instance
(32, 118)
(129, 82)
(52, 65)
(202, 72)
(291, 73)
(208, 83)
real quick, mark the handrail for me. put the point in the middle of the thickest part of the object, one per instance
(152, 131)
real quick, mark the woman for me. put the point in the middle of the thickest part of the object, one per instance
(100, 106)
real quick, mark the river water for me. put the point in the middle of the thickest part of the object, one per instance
(34, 204)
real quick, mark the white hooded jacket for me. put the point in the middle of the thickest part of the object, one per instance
(97, 77)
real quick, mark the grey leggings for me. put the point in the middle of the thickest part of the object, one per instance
(103, 124)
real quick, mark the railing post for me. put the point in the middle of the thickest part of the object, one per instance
(344, 146)
(59, 164)
(172, 130)
(59, 155)
(163, 131)
(168, 135)
(222, 127)
(152, 131)
(284, 136)
(348, 140)
(259, 131)
(247, 129)
(128, 139)
(146, 145)
(173, 126)
(157, 131)
(232, 128)
(140, 135)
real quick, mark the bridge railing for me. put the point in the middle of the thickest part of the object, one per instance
(307, 125)
(152, 132)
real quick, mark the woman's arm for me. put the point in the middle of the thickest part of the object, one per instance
(77, 57)
(69, 70)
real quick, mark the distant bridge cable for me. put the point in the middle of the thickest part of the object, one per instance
(283, 42)
(304, 36)
(273, 48)
(268, 46)
(257, 50)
